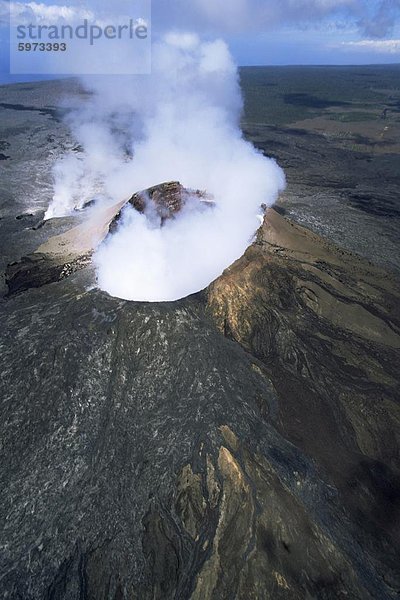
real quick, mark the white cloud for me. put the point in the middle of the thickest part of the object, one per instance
(52, 13)
(184, 41)
(267, 13)
(40, 13)
(374, 19)
(380, 46)
(44, 14)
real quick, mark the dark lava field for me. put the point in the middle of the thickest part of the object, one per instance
(240, 443)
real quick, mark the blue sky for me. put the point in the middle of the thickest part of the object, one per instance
(322, 45)
(261, 32)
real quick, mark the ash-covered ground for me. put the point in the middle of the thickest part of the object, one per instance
(242, 442)
(336, 133)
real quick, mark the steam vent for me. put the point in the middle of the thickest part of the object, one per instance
(65, 254)
(234, 444)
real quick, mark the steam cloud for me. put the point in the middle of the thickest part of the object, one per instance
(179, 124)
(182, 123)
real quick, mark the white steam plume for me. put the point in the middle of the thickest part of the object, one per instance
(179, 124)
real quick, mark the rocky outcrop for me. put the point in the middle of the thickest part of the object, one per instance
(166, 200)
(37, 270)
(65, 254)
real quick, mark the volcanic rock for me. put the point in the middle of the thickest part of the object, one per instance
(224, 446)
(36, 270)
(65, 254)
(167, 199)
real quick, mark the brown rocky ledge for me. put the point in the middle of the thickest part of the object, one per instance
(168, 199)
